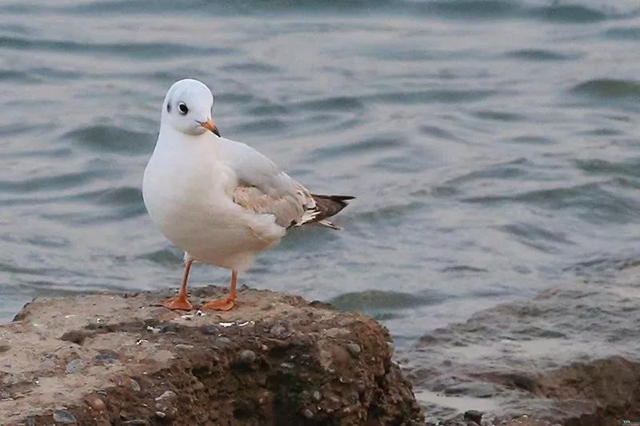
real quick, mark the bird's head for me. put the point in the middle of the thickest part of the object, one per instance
(187, 108)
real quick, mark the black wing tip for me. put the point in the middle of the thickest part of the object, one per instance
(329, 205)
(338, 198)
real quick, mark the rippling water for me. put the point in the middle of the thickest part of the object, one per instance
(492, 145)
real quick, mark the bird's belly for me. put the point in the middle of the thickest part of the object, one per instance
(210, 240)
(215, 233)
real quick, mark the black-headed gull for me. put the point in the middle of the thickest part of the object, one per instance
(219, 200)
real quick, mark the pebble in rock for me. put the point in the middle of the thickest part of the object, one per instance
(48, 362)
(223, 341)
(169, 328)
(474, 416)
(210, 329)
(183, 346)
(334, 399)
(95, 403)
(75, 366)
(280, 331)
(64, 417)
(247, 356)
(167, 396)
(135, 386)
(346, 322)
(106, 358)
(354, 349)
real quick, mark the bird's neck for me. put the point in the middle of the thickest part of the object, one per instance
(174, 143)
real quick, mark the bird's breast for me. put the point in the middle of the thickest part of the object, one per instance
(179, 187)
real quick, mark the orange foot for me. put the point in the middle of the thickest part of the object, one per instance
(220, 305)
(178, 304)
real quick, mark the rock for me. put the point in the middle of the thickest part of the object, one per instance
(4, 394)
(76, 336)
(47, 362)
(74, 366)
(210, 329)
(126, 382)
(64, 417)
(95, 402)
(223, 341)
(599, 392)
(474, 416)
(247, 356)
(266, 367)
(608, 389)
(167, 396)
(280, 331)
(169, 328)
(354, 349)
(106, 358)
(391, 347)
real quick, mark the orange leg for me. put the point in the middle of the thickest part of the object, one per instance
(181, 302)
(228, 303)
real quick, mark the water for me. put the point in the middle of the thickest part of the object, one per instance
(492, 145)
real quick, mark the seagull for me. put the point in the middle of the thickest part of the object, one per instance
(219, 200)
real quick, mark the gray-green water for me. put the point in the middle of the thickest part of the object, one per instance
(493, 145)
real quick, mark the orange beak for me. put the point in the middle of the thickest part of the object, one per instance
(211, 126)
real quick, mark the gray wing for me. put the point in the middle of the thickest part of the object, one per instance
(264, 188)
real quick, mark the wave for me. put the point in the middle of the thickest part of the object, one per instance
(151, 50)
(595, 167)
(551, 11)
(596, 203)
(623, 33)
(608, 88)
(432, 96)
(375, 144)
(542, 55)
(571, 13)
(104, 138)
(376, 300)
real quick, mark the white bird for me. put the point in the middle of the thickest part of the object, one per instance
(219, 200)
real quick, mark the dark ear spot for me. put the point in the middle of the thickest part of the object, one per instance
(169, 107)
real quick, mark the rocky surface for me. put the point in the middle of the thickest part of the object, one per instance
(603, 392)
(569, 355)
(599, 393)
(121, 359)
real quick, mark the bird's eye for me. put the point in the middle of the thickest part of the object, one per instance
(183, 108)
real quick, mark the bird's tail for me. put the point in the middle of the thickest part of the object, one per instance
(328, 206)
